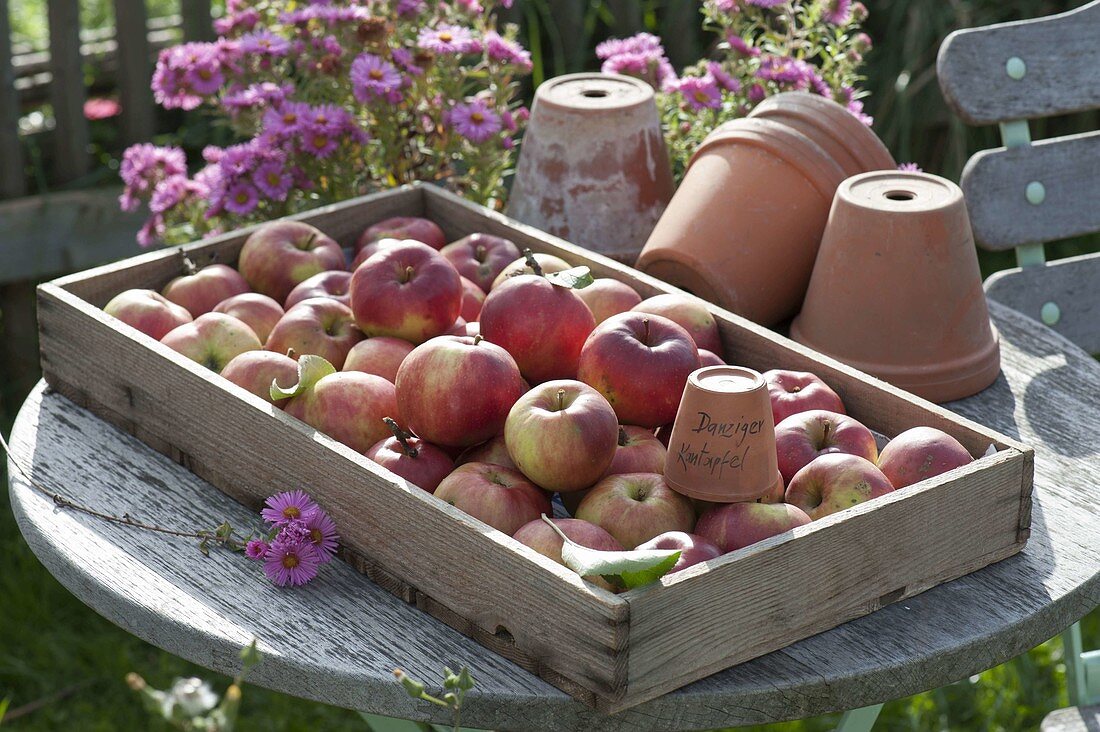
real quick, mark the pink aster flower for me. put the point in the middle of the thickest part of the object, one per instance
(255, 96)
(499, 48)
(372, 78)
(699, 92)
(726, 6)
(283, 508)
(319, 143)
(410, 8)
(910, 168)
(786, 71)
(264, 43)
(837, 12)
(144, 165)
(757, 93)
(448, 39)
(474, 120)
(256, 549)
(722, 78)
(645, 43)
(241, 198)
(186, 73)
(741, 47)
(292, 563)
(273, 180)
(856, 108)
(765, 3)
(322, 533)
(173, 191)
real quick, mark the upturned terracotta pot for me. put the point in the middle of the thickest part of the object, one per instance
(593, 168)
(897, 292)
(744, 226)
(722, 445)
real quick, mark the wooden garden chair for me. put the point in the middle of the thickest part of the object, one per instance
(1028, 193)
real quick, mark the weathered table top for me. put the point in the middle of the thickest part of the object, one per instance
(338, 638)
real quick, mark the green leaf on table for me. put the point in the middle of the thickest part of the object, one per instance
(575, 278)
(633, 568)
(311, 369)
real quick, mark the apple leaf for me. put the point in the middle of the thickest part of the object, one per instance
(311, 369)
(631, 568)
(575, 278)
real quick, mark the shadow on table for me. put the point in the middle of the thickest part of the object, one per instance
(1066, 435)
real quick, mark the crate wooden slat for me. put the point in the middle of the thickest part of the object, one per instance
(611, 651)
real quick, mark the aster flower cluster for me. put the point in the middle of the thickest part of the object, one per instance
(301, 538)
(331, 99)
(764, 47)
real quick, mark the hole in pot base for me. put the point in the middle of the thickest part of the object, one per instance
(594, 93)
(900, 195)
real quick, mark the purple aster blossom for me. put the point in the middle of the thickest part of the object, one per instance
(470, 6)
(699, 92)
(291, 563)
(256, 549)
(173, 191)
(323, 535)
(264, 43)
(186, 73)
(318, 142)
(244, 20)
(785, 71)
(741, 47)
(273, 180)
(448, 39)
(144, 165)
(241, 198)
(645, 43)
(152, 230)
(405, 58)
(757, 93)
(910, 168)
(474, 120)
(294, 532)
(410, 8)
(499, 48)
(328, 14)
(283, 508)
(766, 4)
(372, 78)
(726, 6)
(837, 12)
(285, 120)
(856, 108)
(722, 78)
(254, 96)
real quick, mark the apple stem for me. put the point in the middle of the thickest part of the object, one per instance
(291, 353)
(478, 338)
(189, 267)
(827, 429)
(402, 437)
(532, 262)
(645, 325)
(310, 240)
(622, 436)
(561, 399)
(408, 273)
(479, 253)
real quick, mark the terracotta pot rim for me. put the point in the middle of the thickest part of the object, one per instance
(725, 496)
(785, 143)
(899, 192)
(699, 378)
(551, 93)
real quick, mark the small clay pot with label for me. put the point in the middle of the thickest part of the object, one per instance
(722, 446)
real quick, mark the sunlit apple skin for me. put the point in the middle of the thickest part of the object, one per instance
(481, 257)
(548, 262)
(689, 313)
(636, 507)
(259, 312)
(406, 291)
(499, 496)
(792, 392)
(456, 391)
(374, 247)
(424, 469)
(834, 482)
(803, 436)
(349, 407)
(212, 339)
(707, 358)
(332, 284)
(543, 539)
(381, 355)
(637, 451)
(473, 297)
(562, 435)
(542, 325)
(491, 451)
(403, 227)
(201, 291)
(320, 326)
(254, 371)
(694, 549)
(919, 453)
(148, 311)
(640, 363)
(606, 297)
(732, 526)
(279, 255)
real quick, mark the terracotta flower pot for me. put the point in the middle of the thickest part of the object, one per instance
(897, 292)
(722, 445)
(744, 227)
(593, 168)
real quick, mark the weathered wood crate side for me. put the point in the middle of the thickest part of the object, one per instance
(583, 640)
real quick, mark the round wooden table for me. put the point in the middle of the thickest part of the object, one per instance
(338, 639)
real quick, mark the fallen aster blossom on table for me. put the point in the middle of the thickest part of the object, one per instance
(301, 538)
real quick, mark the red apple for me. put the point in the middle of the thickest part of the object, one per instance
(547, 262)
(348, 406)
(148, 311)
(732, 526)
(543, 326)
(254, 371)
(708, 358)
(333, 284)
(562, 435)
(406, 291)
(421, 463)
(373, 248)
(259, 312)
(458, 328)
(200, 290)
(403, 227)
(539, 536)
(636, 507)
(456, 391)
(803, 436)
(472, 299)
(212, 339)
(493, 451)
(638, 451)
(694, 549)
(834, 482)
(499, 496)
(279, 255)
(319, 326)
(919, 453)
(641, 363)
(688, 312)
(481, 257)
(606, 297)
(381, 355)
(792, 392)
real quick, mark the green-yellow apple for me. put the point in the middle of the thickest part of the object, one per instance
(919, 453)
(380, 355)
(834, 482)
(732, 526)
(803, 436)
(547, 263)
(498, 496)
(319, 326)
(148, 311)
(259, 312)
(279, 255)
(212, 339)
(636, 507)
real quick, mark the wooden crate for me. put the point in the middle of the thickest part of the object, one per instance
(611, 651)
